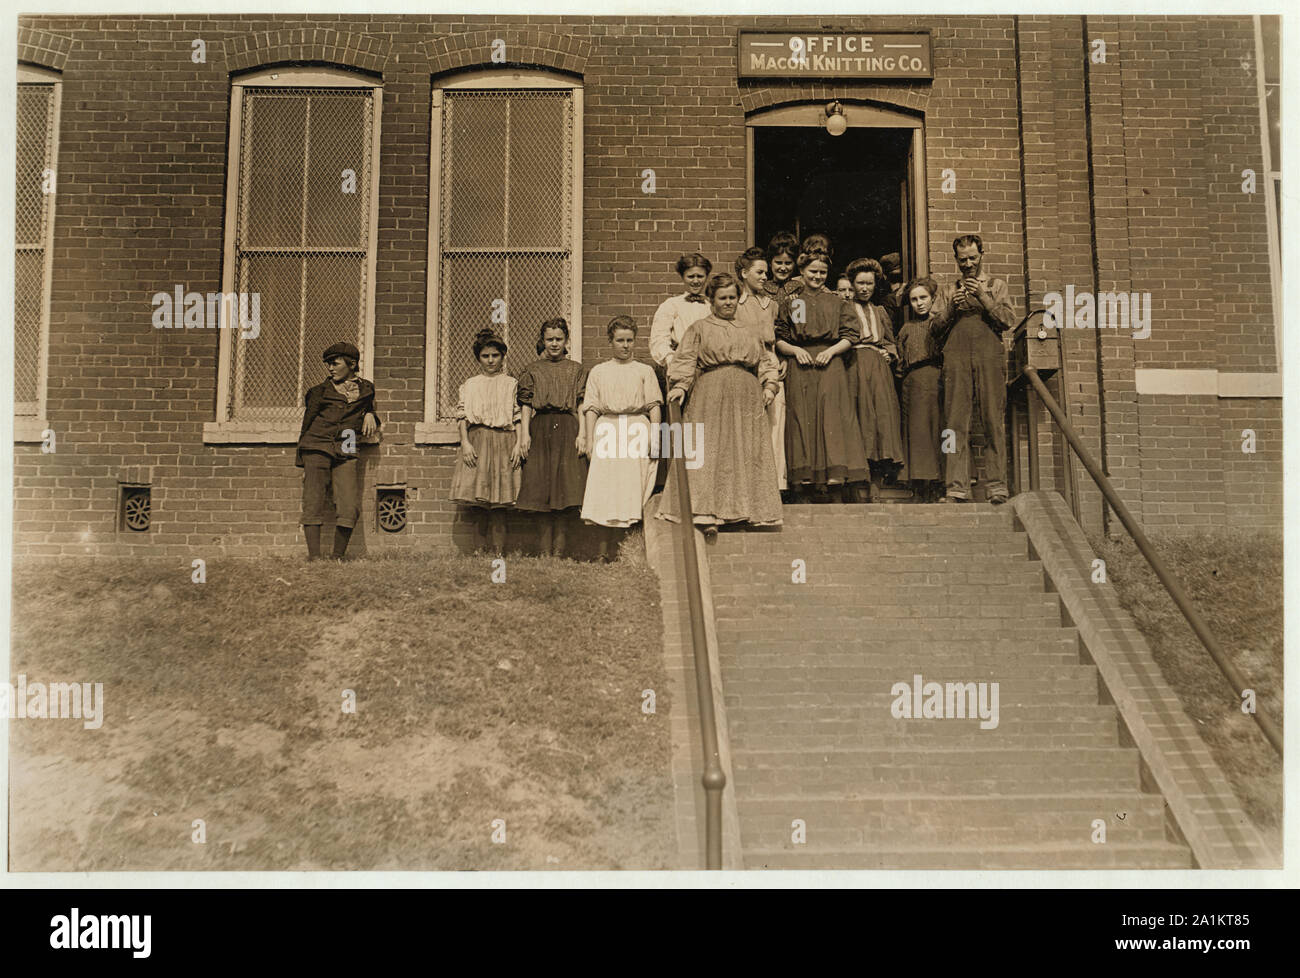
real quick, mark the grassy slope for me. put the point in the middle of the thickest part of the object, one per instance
(475, 701)
(1235, 581)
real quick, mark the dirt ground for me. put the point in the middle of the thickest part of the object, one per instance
(479, 763)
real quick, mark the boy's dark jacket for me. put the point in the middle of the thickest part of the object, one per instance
(328, 414)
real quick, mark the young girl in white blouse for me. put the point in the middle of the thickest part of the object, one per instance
(621, 409)
(487, 467)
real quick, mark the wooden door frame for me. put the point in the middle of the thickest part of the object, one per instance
(812, 114)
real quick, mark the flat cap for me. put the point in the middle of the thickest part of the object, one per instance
(341, 350)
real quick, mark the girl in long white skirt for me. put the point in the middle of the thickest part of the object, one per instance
(621, 410)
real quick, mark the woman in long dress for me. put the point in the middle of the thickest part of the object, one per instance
(871, 375)
(920, 405)
(756, 311)
(671, 320)
(620, 414)
(554, 477)
(814, 329)
(730, 380)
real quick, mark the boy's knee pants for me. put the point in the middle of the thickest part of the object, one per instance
(964, 376)
(342, 476)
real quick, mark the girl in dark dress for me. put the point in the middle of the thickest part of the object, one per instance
(814, 328)
(871, 376)
(782, 263)
(554, 476)
(922, 414)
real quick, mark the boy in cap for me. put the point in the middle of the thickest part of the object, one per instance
(340, 410)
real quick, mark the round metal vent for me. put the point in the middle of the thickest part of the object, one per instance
(392, 510)
(136, 509)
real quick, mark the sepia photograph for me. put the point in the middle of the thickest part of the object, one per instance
(655, 442)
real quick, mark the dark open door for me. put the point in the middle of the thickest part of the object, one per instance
(853, 187)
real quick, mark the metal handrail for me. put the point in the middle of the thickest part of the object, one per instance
(714, 779)
(1226, 666)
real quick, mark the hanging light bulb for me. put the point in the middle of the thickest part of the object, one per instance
(835, 121)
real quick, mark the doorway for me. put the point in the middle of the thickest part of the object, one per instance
(861, 188)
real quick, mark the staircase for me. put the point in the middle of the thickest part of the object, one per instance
(827, 777)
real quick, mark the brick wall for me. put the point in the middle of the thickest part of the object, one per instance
(1199, 245)
(142, 173)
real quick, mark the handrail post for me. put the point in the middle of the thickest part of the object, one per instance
(1031, 424)
(1202, 630)
(714, 779)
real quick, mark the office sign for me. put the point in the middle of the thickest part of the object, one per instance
(797, 54)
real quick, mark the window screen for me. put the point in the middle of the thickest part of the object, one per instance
(35, 139)
(506, 223)
(301, 239)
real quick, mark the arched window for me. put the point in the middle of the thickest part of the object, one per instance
(505, 223)
(302, 196)
(37, 135)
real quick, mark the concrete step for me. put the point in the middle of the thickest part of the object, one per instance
(898, 542)
(916, 639)
(834, 628)
(1026, 574)
(774, 672)
(867, 588)
(963, 771)
(853, 680)
(856, 669)
(833, 533)
(952, 820)
(1012, 733)
(867, 584)
(889, 566)
(851, 551)
(1019, 781)
(868, 606)
(876, 693)
(1085, 855)
(875, 716)
(833, 515)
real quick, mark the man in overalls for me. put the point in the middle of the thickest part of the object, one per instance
(970, 317)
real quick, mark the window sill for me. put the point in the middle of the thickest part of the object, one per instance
(260, 433)
(30, 429)
(437, 433)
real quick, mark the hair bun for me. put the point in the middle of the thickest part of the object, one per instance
(486, 337)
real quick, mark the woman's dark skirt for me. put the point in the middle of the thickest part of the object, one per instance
(823, 443)
(554, 475)
(871, 389)
(922, 425)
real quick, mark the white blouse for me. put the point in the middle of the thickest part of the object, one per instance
(621, 387)
(488, 400)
